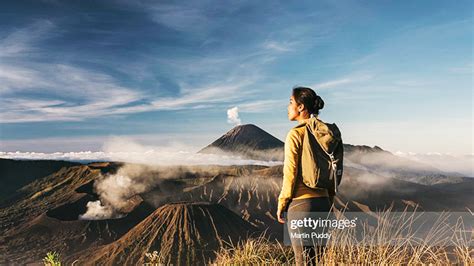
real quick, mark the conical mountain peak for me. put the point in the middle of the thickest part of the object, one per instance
(248, 140)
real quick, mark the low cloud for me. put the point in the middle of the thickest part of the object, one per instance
(123, 149)
(145, 168)
(463, 164)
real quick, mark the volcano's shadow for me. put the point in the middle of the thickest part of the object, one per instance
(87, 188)
(71, 211)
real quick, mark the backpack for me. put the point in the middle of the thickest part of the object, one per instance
(322, 155)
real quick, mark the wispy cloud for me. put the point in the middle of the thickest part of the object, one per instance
(72, 93)
(279, 46)
(187, 18)
(21, 42)
(261, 105)
(195, 98)
(342, 81)
(145, 56)
(79, 94)
(212, 93)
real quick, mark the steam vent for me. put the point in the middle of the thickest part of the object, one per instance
(184, 233)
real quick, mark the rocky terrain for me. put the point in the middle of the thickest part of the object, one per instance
(187, 212)
(185, 233)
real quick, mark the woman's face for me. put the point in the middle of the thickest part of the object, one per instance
(293, 109)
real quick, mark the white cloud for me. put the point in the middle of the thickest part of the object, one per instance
(67, 144)
(279, 46)
(261, 106)
(180, 18)
(447, 162)
(342, 81)
(216, 93)
(230, 71)
(20, 42)
(127, 150)
(72, 93)
(233, 116)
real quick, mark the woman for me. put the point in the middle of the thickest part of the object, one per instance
(295, 196)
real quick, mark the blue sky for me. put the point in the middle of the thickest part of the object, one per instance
(397, 74)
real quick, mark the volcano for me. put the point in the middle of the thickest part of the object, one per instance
(183, 233)
(249, 141)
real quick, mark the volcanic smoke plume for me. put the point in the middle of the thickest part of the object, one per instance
(233, 116)
(115, 190)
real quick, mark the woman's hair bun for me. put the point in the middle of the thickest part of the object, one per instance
(318, 103)
(308, 97)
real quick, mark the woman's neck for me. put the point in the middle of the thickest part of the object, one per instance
(302, 118)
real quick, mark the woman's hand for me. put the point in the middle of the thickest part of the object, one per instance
(280, 217)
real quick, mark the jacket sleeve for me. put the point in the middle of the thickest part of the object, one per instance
(290, 169)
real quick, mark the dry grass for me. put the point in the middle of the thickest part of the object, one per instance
(442, 246)
(255, 251)
(155, 258)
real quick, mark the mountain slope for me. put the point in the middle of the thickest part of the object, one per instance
(45, 217)
(184, 233)
(249, 141)
(254, 194)
(15, 174)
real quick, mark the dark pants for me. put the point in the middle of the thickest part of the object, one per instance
(305, 255)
